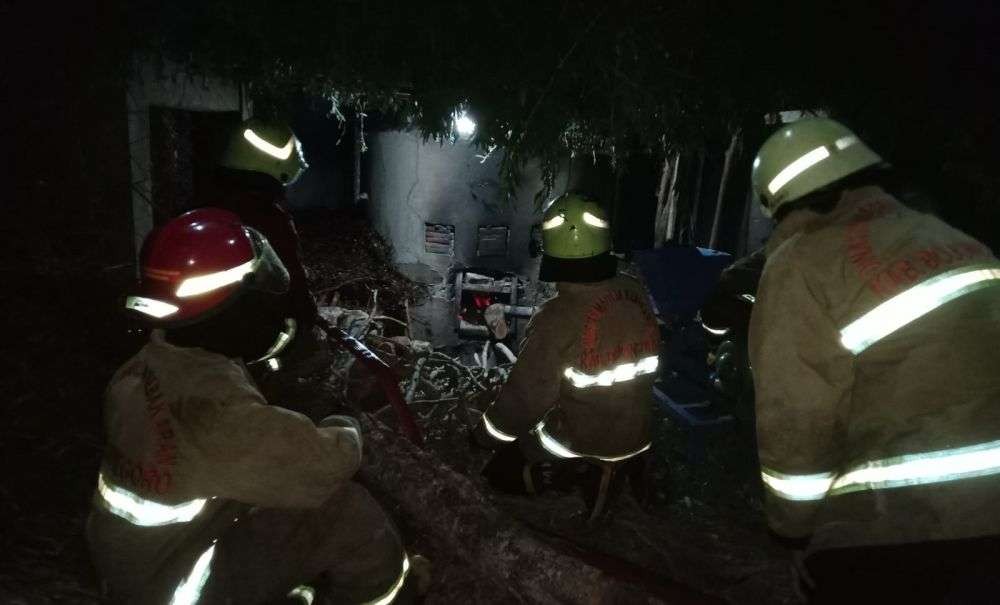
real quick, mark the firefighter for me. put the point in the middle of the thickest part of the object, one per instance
(877, 384)
(205, 492)
(582, 385)
(260, 160)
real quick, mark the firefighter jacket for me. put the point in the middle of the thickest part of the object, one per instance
(582, 384)
(191, 445)
(873, 346)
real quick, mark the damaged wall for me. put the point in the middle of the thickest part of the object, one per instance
(440, 208)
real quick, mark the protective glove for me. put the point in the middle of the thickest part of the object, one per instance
(346, 422)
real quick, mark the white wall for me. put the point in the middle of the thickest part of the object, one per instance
(414, 182)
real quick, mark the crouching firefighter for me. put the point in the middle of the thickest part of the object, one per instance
(581, 389)
(207, 494)
(873, 346)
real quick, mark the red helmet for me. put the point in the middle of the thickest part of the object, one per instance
(199, 263)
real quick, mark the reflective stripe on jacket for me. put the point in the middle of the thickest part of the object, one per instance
(191, 443)
(872, 344)
(586, 367)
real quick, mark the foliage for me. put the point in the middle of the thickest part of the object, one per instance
(541, 81)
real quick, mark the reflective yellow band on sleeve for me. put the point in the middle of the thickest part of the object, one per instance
(554, 447)
(914, 303)
(797, 487)
(620, 373)
(393, 592)
(144, 512)
(938, 466)
(495, 432)
(189, 590)
(920, 469)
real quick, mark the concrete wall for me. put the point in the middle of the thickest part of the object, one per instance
(168, 85)
(413, 182)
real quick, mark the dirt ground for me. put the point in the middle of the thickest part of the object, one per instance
(703, 528)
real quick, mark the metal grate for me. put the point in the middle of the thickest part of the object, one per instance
(492, 240)
(439, 239)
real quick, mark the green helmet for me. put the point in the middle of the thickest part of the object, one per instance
(268, 148)
(805, 156)
(576, 240)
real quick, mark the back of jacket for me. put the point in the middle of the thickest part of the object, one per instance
(190, 444)
(586, 367)
(877, 387)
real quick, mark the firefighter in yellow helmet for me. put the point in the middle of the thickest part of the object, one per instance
(872, 344)
(206, 493)
(582, 385)
(260, 160)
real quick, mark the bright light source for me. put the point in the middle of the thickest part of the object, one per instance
(464, 125)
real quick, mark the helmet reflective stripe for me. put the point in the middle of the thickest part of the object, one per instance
(282, 153)
(620, 373)
(554, 447)
(593, 221)
(193, 286)
(553, 222)
(900, 471)
(495, 432)
(913, 304)
(139, 511)
(806, 156)
(716, 331)
(189, 590)
(796, 168)
(396, 586)
(150, 306)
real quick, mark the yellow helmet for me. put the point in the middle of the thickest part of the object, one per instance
(576, 240)
(267, 148)
(805, 156)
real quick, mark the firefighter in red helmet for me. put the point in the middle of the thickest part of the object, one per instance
(205, 492)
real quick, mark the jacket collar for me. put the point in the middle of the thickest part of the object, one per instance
(805, 220)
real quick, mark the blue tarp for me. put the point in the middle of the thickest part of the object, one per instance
(680, 278)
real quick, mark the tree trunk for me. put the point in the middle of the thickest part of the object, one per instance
(485, 551)
(672, 196)
(356, 186)
(696, 204)
(662, 198)
(727, 164)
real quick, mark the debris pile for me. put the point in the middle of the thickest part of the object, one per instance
(695, 539)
